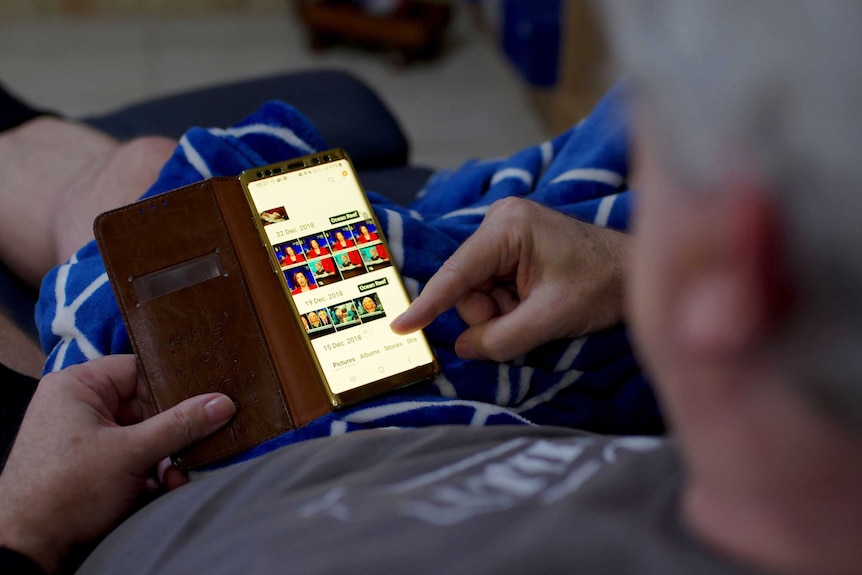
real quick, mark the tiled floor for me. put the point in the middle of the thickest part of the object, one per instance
(466, 104)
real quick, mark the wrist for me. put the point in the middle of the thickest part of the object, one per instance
(41, 552)
(617, 246)
(603, 300)
(17, 533)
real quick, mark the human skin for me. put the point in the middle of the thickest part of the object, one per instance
(771, 479)
(81, 173)
(89, 446)
(503, 277)
(57, 177)
(300, 280)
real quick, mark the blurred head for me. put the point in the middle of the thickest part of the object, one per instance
(314, 245)
(762, 100)
(368, 304)
(300, 280)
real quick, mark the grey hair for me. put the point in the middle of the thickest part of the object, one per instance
(771, 88)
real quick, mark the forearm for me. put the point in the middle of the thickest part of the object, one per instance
(18, 534)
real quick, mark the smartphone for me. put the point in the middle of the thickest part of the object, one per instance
(328, 251)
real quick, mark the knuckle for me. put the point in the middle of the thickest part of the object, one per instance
(183, 425)
(453, 264)
(511, 209)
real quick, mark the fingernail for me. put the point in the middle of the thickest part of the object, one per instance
(465, 350)
(219, 409)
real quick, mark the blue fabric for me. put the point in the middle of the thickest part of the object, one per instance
(590, 383)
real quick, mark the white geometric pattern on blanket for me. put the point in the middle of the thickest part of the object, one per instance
(482, 411)
(571, 354)
(547, 151)
(395, 236)
(590, 175)
(445, 387)
(565, 382)
(64, 319)
(504, 384)
(603, 214)
(194, 158)
(284, 134)
(517, 173)
(477, 211)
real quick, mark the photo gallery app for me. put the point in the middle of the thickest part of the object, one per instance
(328, 259)
(339, 273)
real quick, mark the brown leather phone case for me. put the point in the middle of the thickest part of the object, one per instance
(205, 312)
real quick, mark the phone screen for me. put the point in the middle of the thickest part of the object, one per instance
(336, 266)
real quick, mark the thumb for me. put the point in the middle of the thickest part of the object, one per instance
(502, 338)
(176, 428)
(528, 325)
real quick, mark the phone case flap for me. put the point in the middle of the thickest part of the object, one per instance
(190, 316)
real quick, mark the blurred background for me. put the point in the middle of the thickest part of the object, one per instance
(476, 79)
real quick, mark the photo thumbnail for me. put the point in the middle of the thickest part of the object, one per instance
(325, 272)
(350, 264)
(344, 315)
(375, 257)
(365, 232)
(315, 246)
(273, 216)
(300, 279)
(340, 238)
(369, 307)
(317, 323)
(289, 253)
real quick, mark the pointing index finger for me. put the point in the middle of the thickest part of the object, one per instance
(475, 262)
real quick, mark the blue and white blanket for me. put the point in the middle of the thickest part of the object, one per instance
(591, 383)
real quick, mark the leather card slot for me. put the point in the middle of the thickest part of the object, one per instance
(178, 276)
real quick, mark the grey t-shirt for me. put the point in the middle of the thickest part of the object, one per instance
(438, 500)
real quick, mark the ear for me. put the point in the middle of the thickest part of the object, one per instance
(732, 301)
